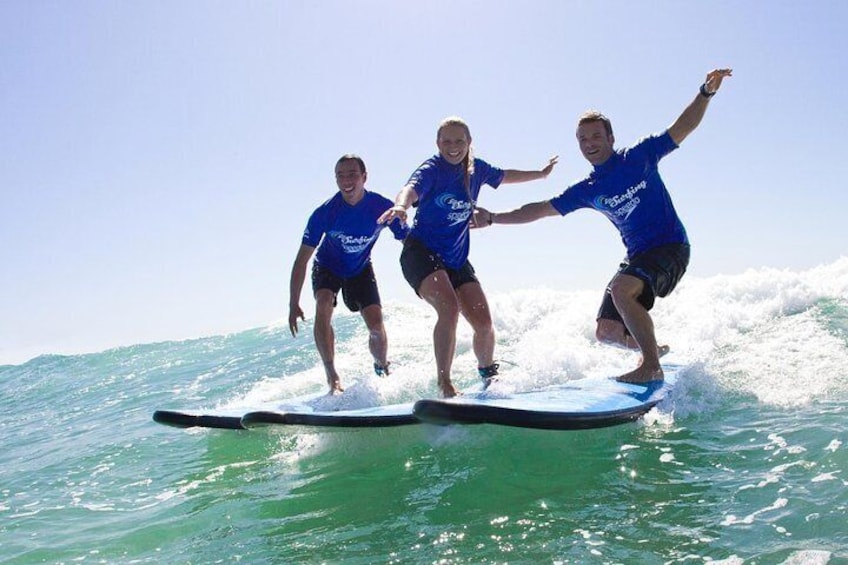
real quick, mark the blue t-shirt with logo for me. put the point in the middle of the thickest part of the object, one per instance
(628, 190)
(348, 233)
(445, 205)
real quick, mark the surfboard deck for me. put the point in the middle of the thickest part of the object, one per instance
(577, 405)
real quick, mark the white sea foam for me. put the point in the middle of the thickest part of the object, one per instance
(762, 332)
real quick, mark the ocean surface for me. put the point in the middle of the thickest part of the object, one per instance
(747, 461)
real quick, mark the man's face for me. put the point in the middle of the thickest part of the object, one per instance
(349, 178)
(595, 143)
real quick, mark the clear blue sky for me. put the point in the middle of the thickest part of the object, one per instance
(158, 160)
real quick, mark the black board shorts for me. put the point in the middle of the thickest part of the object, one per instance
(418, 263)
(358, 292)
(660, 268)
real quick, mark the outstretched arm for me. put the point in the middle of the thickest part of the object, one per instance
(298, 275)
(405, 198)
(694, 112)
(513, 176)
(523, 215)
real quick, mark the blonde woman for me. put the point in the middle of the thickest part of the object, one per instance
(434, 260)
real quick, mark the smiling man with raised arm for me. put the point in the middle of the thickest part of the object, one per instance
(626, 187)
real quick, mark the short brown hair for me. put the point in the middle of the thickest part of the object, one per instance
(352, 157)
(590, 116)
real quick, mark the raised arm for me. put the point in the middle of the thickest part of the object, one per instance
(694, 112)
(405, 198)
(513, 176)
(298, 275)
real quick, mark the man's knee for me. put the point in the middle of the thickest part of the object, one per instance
(610, 331)
(626, 287)
(325, 299)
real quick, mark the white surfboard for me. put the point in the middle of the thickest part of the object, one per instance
(580, 404)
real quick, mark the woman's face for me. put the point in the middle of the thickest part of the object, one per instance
(453, 142)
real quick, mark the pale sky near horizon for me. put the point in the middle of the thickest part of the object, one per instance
(158, 160)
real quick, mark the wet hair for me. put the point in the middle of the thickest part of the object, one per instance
(352, 157)
(469, 157)
(591, 116)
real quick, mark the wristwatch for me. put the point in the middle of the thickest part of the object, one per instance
(705, 93)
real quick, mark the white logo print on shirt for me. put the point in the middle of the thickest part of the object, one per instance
(627, 200)
(460, 210)
(350, 243)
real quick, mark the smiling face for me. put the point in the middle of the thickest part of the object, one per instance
(350, 178)
(596, 143)
(453, 141)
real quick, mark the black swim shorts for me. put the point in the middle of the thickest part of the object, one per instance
(418, 263)
(358, 292)
(660, 268)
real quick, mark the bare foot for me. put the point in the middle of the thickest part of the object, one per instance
(641, 375)
(448, 390)
(336, 388)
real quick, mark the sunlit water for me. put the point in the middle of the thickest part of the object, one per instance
(745, 463)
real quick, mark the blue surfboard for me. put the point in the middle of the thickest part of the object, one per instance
(580, 404)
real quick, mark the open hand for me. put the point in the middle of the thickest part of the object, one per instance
(550, 166)
(714, 78)
(395, 211)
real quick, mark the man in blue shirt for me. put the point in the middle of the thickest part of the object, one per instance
(626, 187)
(344, 229)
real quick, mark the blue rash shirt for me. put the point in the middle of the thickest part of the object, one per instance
(445, 206)
(628, 190)
(348, 233)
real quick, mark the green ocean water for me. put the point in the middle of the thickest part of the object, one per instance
(745, 463)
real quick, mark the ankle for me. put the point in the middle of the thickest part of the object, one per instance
(488, 372)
